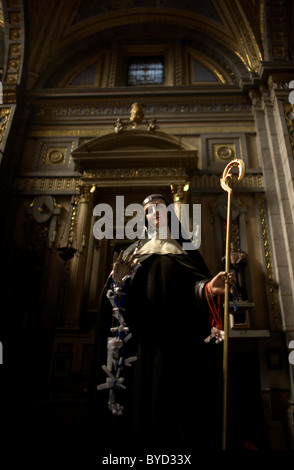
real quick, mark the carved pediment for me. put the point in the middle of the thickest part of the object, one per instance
(134, 149)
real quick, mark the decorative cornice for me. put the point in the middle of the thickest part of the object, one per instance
(46, 185)
(127, 177)
(107, 110)
(206, 182)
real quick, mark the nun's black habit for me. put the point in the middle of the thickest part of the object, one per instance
(172, 395)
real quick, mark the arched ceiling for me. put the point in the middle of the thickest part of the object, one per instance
(85, 49)
(239, 33)
(60, 30)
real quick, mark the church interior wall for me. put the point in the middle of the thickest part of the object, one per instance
(192, 136)
(72, 92)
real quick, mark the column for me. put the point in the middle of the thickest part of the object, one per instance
(270, 160)
(77, 265)
(277, 166)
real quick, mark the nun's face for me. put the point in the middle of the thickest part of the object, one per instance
(156, 213)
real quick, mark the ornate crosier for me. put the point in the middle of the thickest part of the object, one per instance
(225, 186)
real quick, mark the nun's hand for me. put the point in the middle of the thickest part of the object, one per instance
(219, 281)
(122, 266)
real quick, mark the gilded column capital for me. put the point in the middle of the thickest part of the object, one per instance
(180, 192)
(177, 193)
(85, 194)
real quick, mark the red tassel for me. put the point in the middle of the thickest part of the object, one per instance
(214, 308)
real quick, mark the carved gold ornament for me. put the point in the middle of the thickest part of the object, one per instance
(55, 156)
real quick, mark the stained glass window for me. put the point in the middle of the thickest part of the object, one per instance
(145, 70)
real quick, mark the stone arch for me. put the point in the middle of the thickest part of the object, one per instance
(229, 41)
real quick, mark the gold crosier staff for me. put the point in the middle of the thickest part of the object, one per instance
(225, 186)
